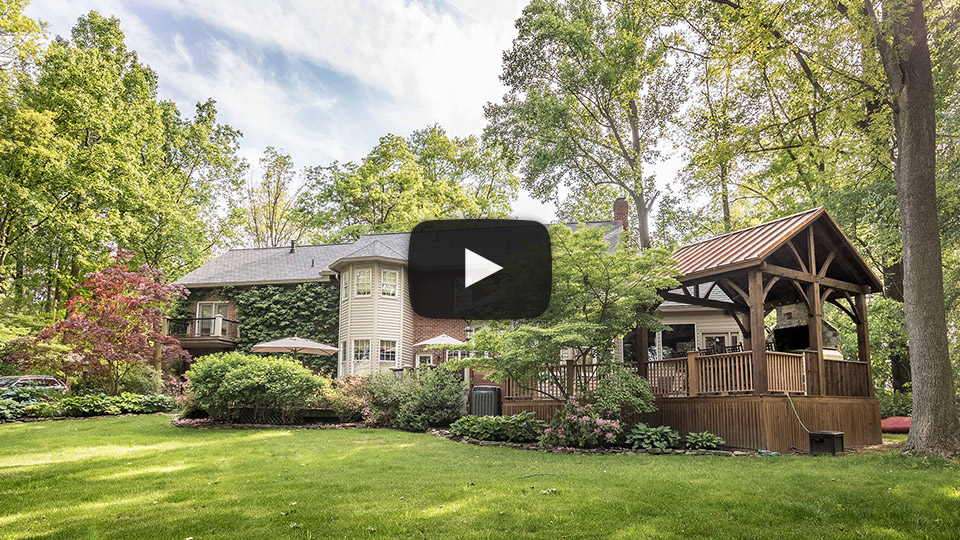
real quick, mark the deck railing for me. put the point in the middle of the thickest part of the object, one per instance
(712, 375)
(844, 378)
(786, 373)
(203, 327)
(725, 373)
(668, 378)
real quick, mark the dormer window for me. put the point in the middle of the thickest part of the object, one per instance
(388, 283)
(363, 281)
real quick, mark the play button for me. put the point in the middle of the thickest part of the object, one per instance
(479, 269)
(476, 268)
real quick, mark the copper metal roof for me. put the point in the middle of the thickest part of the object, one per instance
(742, 246)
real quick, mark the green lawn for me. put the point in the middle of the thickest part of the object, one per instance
(138, 477)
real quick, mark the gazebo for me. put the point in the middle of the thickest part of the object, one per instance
(758, 394)
(753, 394)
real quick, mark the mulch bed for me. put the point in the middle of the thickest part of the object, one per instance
(593, 451)
(207, 423)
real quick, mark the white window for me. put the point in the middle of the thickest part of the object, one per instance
(363, 281)
(361, 356)
(388, 355)
(424, 359)
(206, 317)
(344, 355)
(345, 284)
(388, 283)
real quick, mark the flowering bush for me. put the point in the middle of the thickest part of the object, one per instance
(582, 426)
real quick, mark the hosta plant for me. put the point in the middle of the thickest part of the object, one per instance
(703, 440)
(643, 436)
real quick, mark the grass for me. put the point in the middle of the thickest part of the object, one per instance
(139, 477)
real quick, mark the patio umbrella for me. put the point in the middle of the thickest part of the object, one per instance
(295, 345)
(442, 339)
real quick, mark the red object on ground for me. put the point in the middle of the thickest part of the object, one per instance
(895, 424)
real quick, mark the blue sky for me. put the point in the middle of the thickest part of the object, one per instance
(322, 80)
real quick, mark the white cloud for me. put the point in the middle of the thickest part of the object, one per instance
(434, 65)
(409, 64)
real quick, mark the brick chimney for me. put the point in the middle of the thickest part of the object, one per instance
(621, 213)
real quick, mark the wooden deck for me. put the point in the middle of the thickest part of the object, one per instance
(719, 397)
(753, 422)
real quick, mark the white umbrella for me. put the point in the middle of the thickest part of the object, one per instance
(295, 345)
(442, 339)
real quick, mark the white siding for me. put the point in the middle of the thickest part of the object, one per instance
(375, 317)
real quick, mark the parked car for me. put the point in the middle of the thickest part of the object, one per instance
(33, 382)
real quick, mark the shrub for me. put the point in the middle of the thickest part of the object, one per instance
(40, 409)
(642, 436)
(229, 385)
(703, 440)
(622, 393)
(522, 427)
(431, 397)
(895, 404)
(347, 398)
(142, 380)
(10, 410)
(384, 396)
(582, 426)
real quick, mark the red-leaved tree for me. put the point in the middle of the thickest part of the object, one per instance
(115, 324)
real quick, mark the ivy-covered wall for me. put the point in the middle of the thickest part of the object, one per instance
(269, 312)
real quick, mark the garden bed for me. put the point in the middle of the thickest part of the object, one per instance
(597, 451)
(209, 423)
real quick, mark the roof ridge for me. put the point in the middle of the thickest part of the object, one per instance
(739, 231)
(298, 246)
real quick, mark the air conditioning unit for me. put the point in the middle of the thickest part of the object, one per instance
(485, 401)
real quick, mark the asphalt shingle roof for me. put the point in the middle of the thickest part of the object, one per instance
(250, 266)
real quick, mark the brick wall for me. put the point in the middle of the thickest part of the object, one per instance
(424, 329)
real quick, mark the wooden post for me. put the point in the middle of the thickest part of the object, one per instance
(758, 335)
(863, 340)
(815, 333)
(693, 373)
(643, 353)
(571, 377)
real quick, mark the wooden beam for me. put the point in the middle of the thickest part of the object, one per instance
(766, 288)
(844, 309)
(783, 271)
(826, 263)
(815, 332)
(796, 255)
(803, 294)
(863, 340)
(703, 302)
(743, 327)
(744, 295)
(758, 337)
(811, 250)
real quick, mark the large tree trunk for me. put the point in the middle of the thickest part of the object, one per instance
(935, 427)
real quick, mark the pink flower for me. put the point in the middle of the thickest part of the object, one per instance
(585, 418)
(609, 435)
(597, 430)
(548, 431)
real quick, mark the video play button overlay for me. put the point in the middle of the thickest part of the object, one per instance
(480, 269)
(476, 268)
